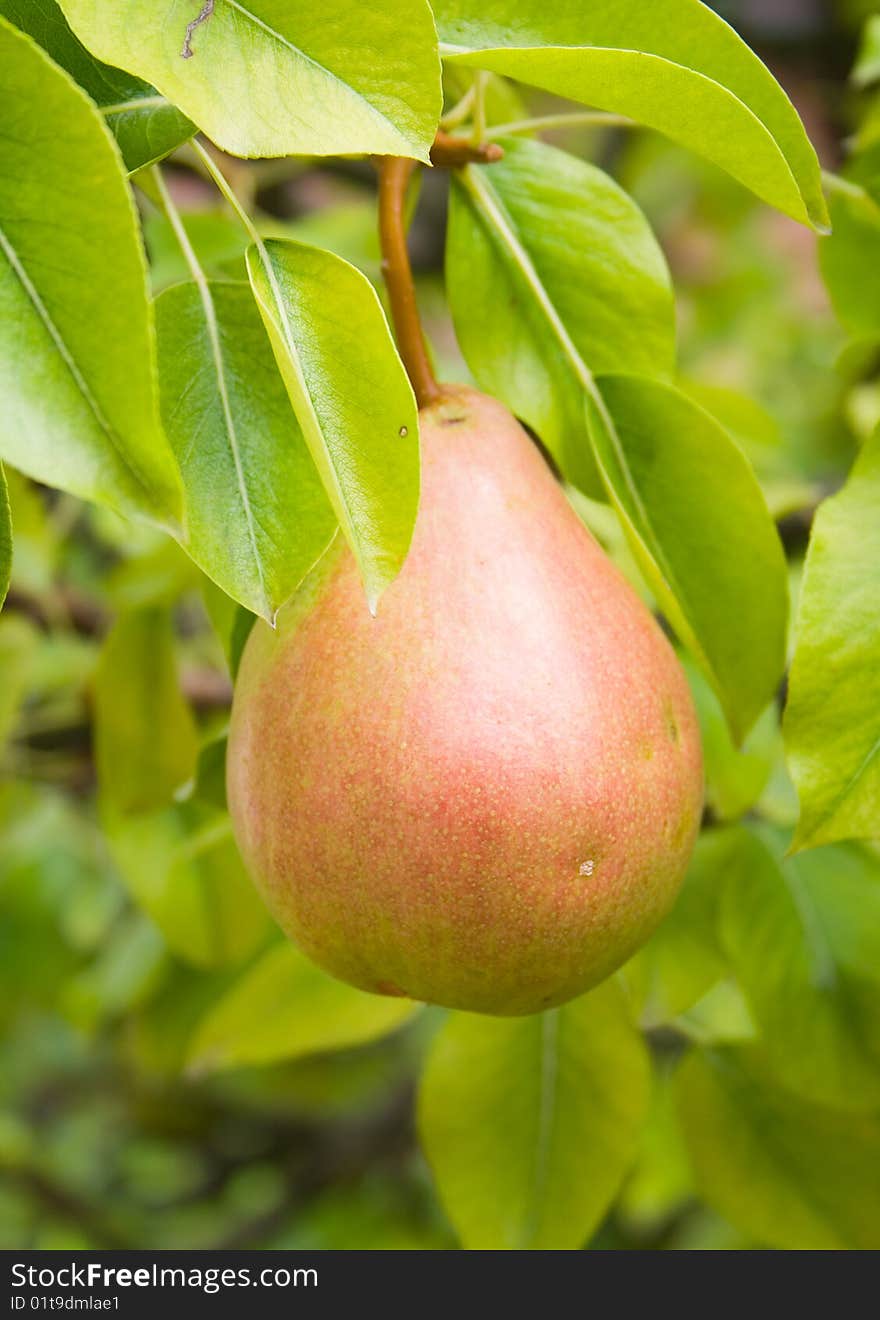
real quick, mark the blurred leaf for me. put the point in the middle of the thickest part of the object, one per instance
(735, 779)
(160, 576)
(350, 78)
(760, 437)
(284, 1007)
(18, 643)
(121, 977)
(672, 65)
(77, 392)
(216, 238)
(701, 533)
(530, 1123)
(803, 938)
(797, 1176)
(866, 69)
(350, 394)
(502, 100)
(159, 1032)
(850, 258)
(35, 548)
(145, 737)
(832, 719)
(552, 272)
(721, 1017)
(144, 124)
(375, 1214)
(661, 1182)
(257, 516)
(683, 959)
(182, 867)
(5, 538)
(210, 777)
(231, 622)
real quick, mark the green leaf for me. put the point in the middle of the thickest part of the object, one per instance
(209, 785)
(145, 737)
(144, 124)
(19, 641)
(350, 394)
(850, 258)
(803, 938)
(77, 397)
(794, 1175)
(123, 975)
(36, 549)
(285, 1007)
(673, 65)
(282, 77)
(551, 267)
(5, 538)
(216, 237)
(530, 1123)
(700, 530)
(182, 867)
(232, 623)
(832, 719)
(866, 69)
(257, 515)
(735, 779)
(683, 959)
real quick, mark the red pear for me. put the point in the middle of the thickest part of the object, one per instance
(486, 796)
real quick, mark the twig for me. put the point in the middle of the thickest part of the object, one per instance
(394, 176)
(452, 152)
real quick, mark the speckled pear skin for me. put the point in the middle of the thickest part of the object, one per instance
(486, 796)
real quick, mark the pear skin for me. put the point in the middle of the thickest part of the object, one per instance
(486, 796)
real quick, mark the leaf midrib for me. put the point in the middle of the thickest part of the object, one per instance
(548, 1087)
(311, 422)
(213, 329)
(248, 14)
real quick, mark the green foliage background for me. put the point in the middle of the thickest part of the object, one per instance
(172, 1073)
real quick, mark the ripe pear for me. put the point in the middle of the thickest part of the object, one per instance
(486, 796)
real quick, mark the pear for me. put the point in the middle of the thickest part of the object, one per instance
(486, 796)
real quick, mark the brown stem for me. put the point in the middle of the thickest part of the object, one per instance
(451, 153)
(394, 176)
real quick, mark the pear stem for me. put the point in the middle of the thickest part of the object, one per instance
(394, 177)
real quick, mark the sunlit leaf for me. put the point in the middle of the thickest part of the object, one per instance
(146, 126)
(699, 527)
(553, 272)
(350, 395)
(281, 77)
(672, 64)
